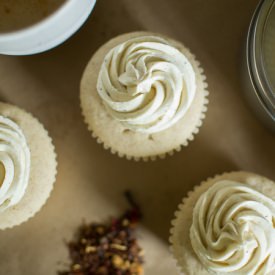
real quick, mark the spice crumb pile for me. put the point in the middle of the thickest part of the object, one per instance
(107, 249)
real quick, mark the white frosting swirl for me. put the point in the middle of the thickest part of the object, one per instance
(146, 84)
(14, 163)
(233, 230)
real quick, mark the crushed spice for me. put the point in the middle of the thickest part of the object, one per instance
(108, 249)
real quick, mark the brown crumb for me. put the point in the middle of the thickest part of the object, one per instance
(117, 261)
(107, 249)
(90, 249)
(76, 267)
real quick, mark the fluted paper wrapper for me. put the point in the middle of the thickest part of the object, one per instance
(181, 248)
(134, 145)
(42, 170)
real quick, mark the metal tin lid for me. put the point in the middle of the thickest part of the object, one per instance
(261, 54)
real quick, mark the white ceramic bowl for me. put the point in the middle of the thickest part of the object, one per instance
(48, 33)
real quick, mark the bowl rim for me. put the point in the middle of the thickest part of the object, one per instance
(40, 28)
(254, 57)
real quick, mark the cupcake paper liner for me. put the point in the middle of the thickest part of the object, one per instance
(150, 157)
(180, 244)
(30, 205)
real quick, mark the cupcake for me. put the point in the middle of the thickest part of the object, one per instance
(143, 95)
(226, 226)
(27, 165)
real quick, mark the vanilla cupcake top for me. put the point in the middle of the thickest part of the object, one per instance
(14, 163)
(146, 84)
(233, 230)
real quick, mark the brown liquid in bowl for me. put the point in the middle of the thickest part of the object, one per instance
(19, 14)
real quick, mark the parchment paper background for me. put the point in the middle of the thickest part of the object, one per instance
(90, 180)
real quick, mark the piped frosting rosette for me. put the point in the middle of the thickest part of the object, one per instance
(233, 230)
(14, 163)
(146, 84)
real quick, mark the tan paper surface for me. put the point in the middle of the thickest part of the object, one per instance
(90, 180)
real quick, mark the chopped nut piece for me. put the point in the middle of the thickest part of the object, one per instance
(117, 261)
(100, 230)
(90, 249)
(76, 266)
(126, 265)
(118, 246)
(107, 249)
(83, 241)
(125, 222)
(136, 268)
